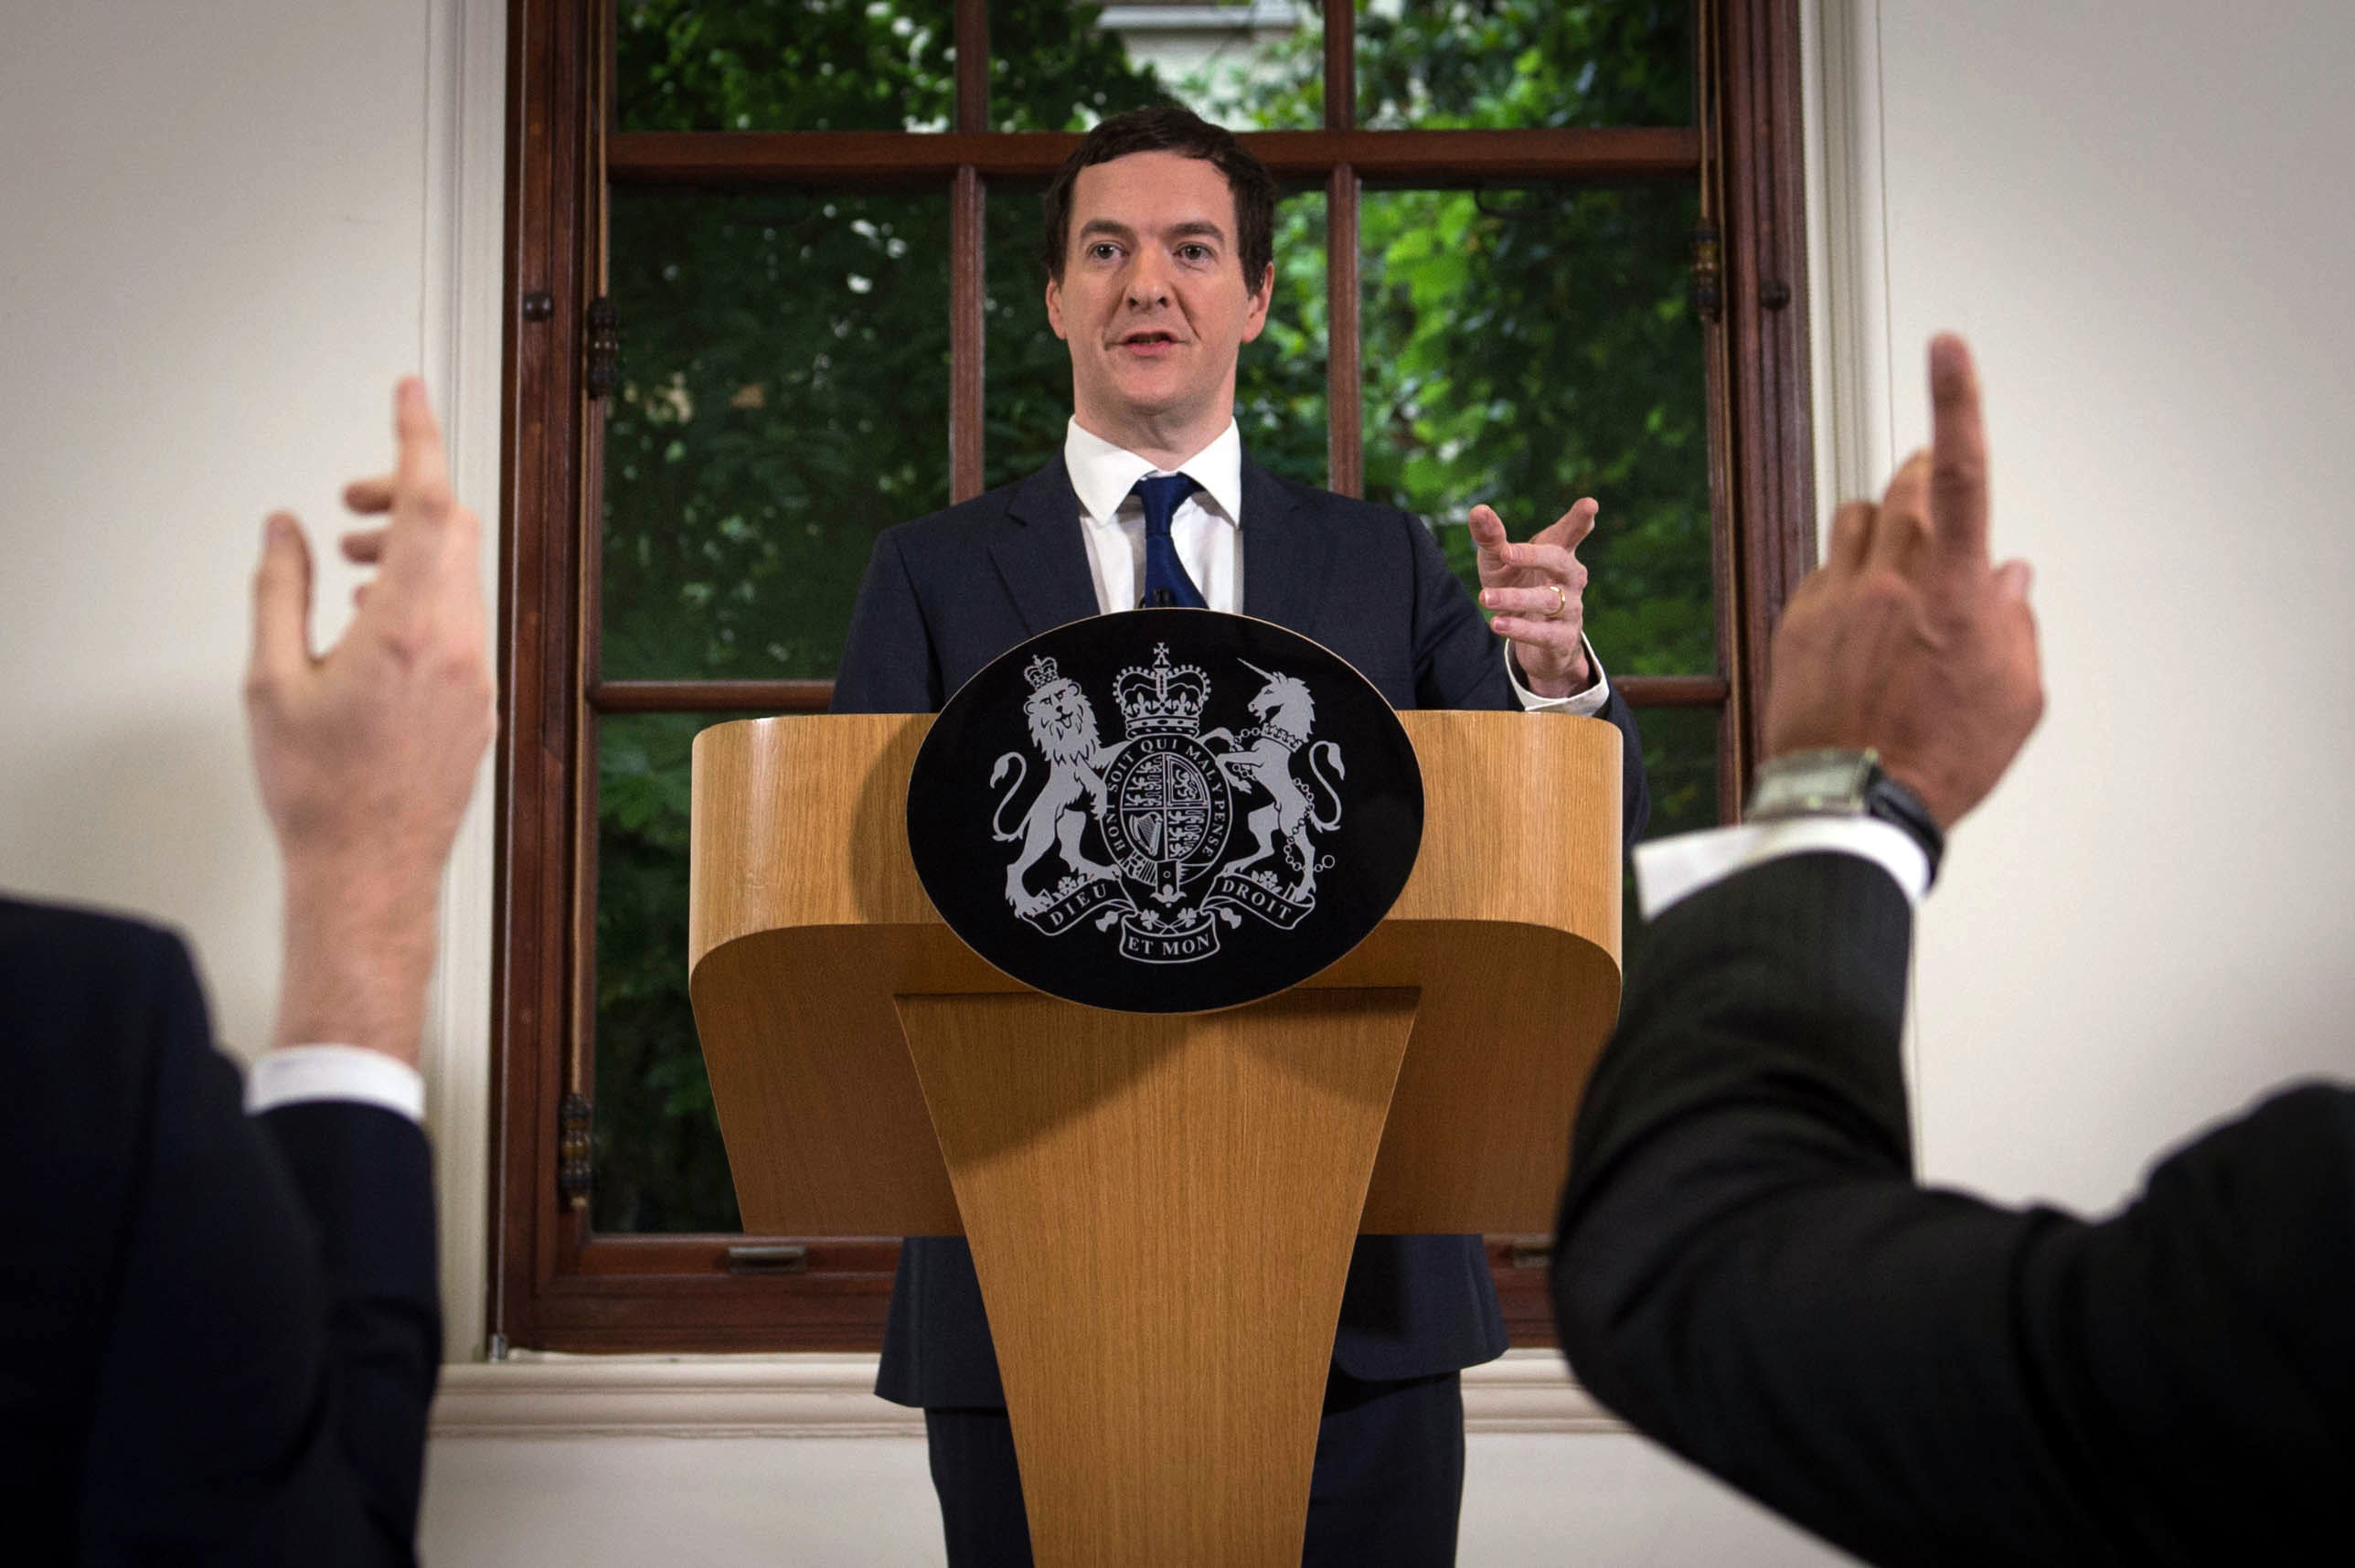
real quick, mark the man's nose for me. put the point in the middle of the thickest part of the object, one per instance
(1148, 280)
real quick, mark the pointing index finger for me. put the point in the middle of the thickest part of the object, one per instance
(422, 477)
(1959, 502)
(1569, 529)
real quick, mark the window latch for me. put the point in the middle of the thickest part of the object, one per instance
(605, 366)
(768, 1257)
(574, 1120)
(1708, 291)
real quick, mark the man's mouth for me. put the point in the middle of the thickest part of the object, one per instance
(1149, 343)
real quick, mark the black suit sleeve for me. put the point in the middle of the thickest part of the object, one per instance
(889, 665)
(364, 1175)
(1635, 785)
(252, 1383)
(1459, 662)
(1746, 1271)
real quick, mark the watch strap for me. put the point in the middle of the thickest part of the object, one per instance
(1840, 783)
(1888, 801)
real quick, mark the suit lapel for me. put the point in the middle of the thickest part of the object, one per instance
(1041, 555)
(1287, 551)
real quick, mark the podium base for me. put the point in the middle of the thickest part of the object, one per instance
(1161, 1211)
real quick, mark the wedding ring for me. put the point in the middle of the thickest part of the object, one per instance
(1560, 602)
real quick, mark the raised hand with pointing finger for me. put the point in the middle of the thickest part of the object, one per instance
(1537, 590)
(366, 753)
(1907, 640)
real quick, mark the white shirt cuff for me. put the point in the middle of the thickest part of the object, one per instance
(1668, 870)
(1578, 704)
(295, 1074)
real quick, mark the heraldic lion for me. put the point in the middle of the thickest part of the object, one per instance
(1063, 726)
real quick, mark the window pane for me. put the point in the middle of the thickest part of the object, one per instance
(1250, 64)
(1026, 369)
(1680, 767)
(1511, 64)
(659, 1163)
(784, 65)
(783, 396)
(1529, 347)
(1279, 380)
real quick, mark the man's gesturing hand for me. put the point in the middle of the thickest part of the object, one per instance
(366, 753)
(1537, 590)
(1905, 640)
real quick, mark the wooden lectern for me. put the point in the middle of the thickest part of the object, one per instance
(1161, 1206)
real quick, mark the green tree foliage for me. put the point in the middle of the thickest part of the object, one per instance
(786, 352)
(1522, 348)
(784, 392)
(659, 1164)
(784, 65)
(1515, 64)
(1536, 347)
(784, 396)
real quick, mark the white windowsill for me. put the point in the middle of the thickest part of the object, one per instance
(831, 1395)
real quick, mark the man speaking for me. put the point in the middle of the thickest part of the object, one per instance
(1159, 255)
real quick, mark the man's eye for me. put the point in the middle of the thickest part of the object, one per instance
(1104, 250)
(1194, 252)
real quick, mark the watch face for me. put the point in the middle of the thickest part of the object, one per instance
(1805, 781)
(1165, 810)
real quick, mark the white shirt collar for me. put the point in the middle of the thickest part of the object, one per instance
(1103, 474)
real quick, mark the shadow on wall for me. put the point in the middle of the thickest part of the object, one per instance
(157, 814)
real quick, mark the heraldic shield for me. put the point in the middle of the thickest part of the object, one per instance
(1165, 810)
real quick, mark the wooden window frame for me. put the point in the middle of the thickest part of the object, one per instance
(552, 1283)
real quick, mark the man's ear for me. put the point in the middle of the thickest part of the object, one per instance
(1055, 308)
(1256, 321)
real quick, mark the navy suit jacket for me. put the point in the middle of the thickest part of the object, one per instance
(1748, 1273)
(218, 1334)
(948, 593)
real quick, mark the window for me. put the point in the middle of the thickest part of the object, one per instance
(776, 282)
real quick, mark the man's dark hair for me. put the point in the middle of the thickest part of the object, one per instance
(1166, 128)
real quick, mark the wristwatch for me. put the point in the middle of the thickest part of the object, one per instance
(1842, 784)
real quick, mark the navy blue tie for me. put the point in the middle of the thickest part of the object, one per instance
(1165, 583)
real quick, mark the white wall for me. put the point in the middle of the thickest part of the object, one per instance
(227, 229)
(230, 227)
(213, 262)
(2130, 209)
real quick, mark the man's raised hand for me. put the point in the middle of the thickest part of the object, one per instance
(1905, 640)
(366, 753)
(1537, 590)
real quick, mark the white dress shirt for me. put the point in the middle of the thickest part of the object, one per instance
(1671, 870)
(1204, 527)
(1206, 530)
(295, 1074)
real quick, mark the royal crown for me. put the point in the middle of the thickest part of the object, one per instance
(1041, 672)
(1163, 699)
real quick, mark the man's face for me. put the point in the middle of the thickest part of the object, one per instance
(1153, 301)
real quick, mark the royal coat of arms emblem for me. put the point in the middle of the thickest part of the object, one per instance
(1164, 799)
(1165, 845)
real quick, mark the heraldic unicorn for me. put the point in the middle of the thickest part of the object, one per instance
(1160, 804)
